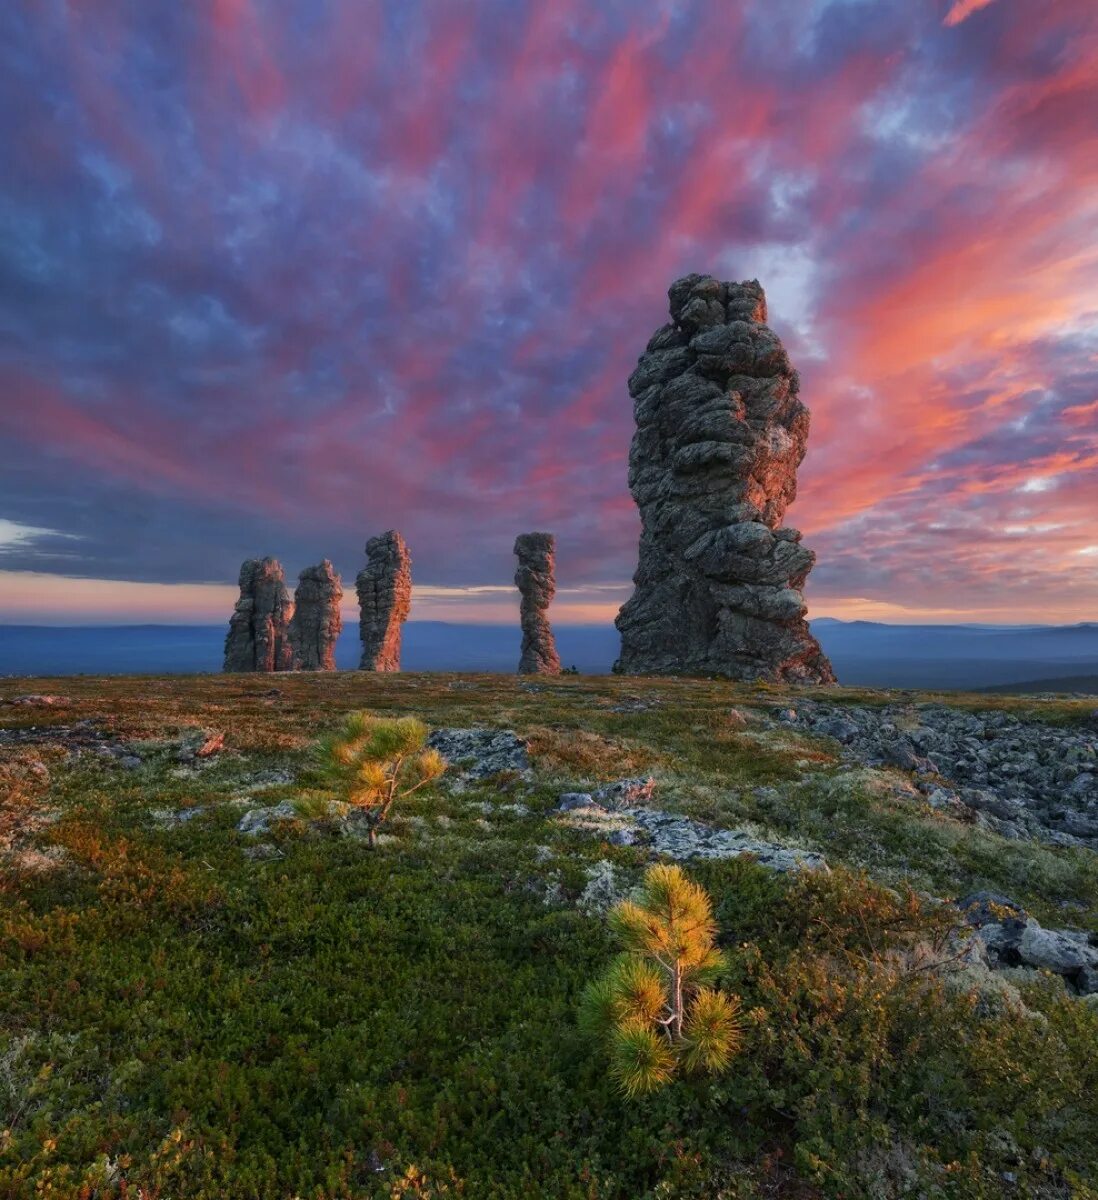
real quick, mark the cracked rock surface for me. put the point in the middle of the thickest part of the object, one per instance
(480, 753)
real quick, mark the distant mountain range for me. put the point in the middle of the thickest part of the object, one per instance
(1022, 657)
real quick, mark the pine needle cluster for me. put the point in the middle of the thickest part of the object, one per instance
(371, 762)
(655, 1006)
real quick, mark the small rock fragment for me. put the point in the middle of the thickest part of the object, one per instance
(257, 821)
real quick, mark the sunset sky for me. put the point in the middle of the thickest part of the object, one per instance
(277, 275)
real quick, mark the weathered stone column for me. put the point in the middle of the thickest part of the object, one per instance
(317, 619)
(720, 434)
(384, 589)
(258, 637)
(535, 580)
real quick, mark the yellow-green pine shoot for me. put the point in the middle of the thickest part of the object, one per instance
(372, 762)
(655, 1006)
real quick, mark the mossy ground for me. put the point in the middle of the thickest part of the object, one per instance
(180, 1021)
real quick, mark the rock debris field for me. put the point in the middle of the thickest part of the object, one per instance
(1021, 778)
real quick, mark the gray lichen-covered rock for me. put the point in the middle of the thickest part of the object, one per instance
(317, 620)
(1013, 938)
(481, 753)
(720, 434)
(258, 821)
(258, 637)
(1018, 775)
(535, 580)
(683, 839)
(384, 589)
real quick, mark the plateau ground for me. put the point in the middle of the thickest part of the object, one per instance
(211, 987)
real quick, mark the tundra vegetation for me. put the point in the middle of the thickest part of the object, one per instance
(187, 1010)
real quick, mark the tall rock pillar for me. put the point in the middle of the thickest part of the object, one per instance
(720, 434)
(384, 589)
(258, 637)
(317, 620)
(535, 580)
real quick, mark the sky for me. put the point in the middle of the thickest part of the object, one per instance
(278, 275)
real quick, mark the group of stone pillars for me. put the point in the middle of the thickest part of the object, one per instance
(270, 632)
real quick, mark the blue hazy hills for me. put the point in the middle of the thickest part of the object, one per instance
(1064, 657)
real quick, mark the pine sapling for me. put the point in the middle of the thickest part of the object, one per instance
(372, 762)
(655, 1006)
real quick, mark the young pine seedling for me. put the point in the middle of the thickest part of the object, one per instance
(372, 762)
(653, 1006)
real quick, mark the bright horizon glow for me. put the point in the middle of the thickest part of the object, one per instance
(29, 598)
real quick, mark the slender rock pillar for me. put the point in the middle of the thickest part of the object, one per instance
(535, 580)
(317, 620)
(384, 589)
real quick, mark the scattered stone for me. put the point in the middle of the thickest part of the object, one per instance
(202, 743)
(36, 700)
(258, 821)
(535, 580)
(712, 468)
(481, 753)
(735, 719)
(82, 735)
(258, 637)
(684, 839)
(567, 801)
(262, 852)
(384, 589)
(177, 816)
(602, 891)
(317, 620)
(624, 792)
(259, 781)
(129, 762)
(1018, 777)
(1013, 938)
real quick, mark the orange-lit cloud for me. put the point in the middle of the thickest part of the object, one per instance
(962, 9)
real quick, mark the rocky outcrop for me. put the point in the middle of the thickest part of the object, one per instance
(720, 434)
(258, 637)
(385, 596)
(317, 620)
(1018, 776)
(535, 580)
